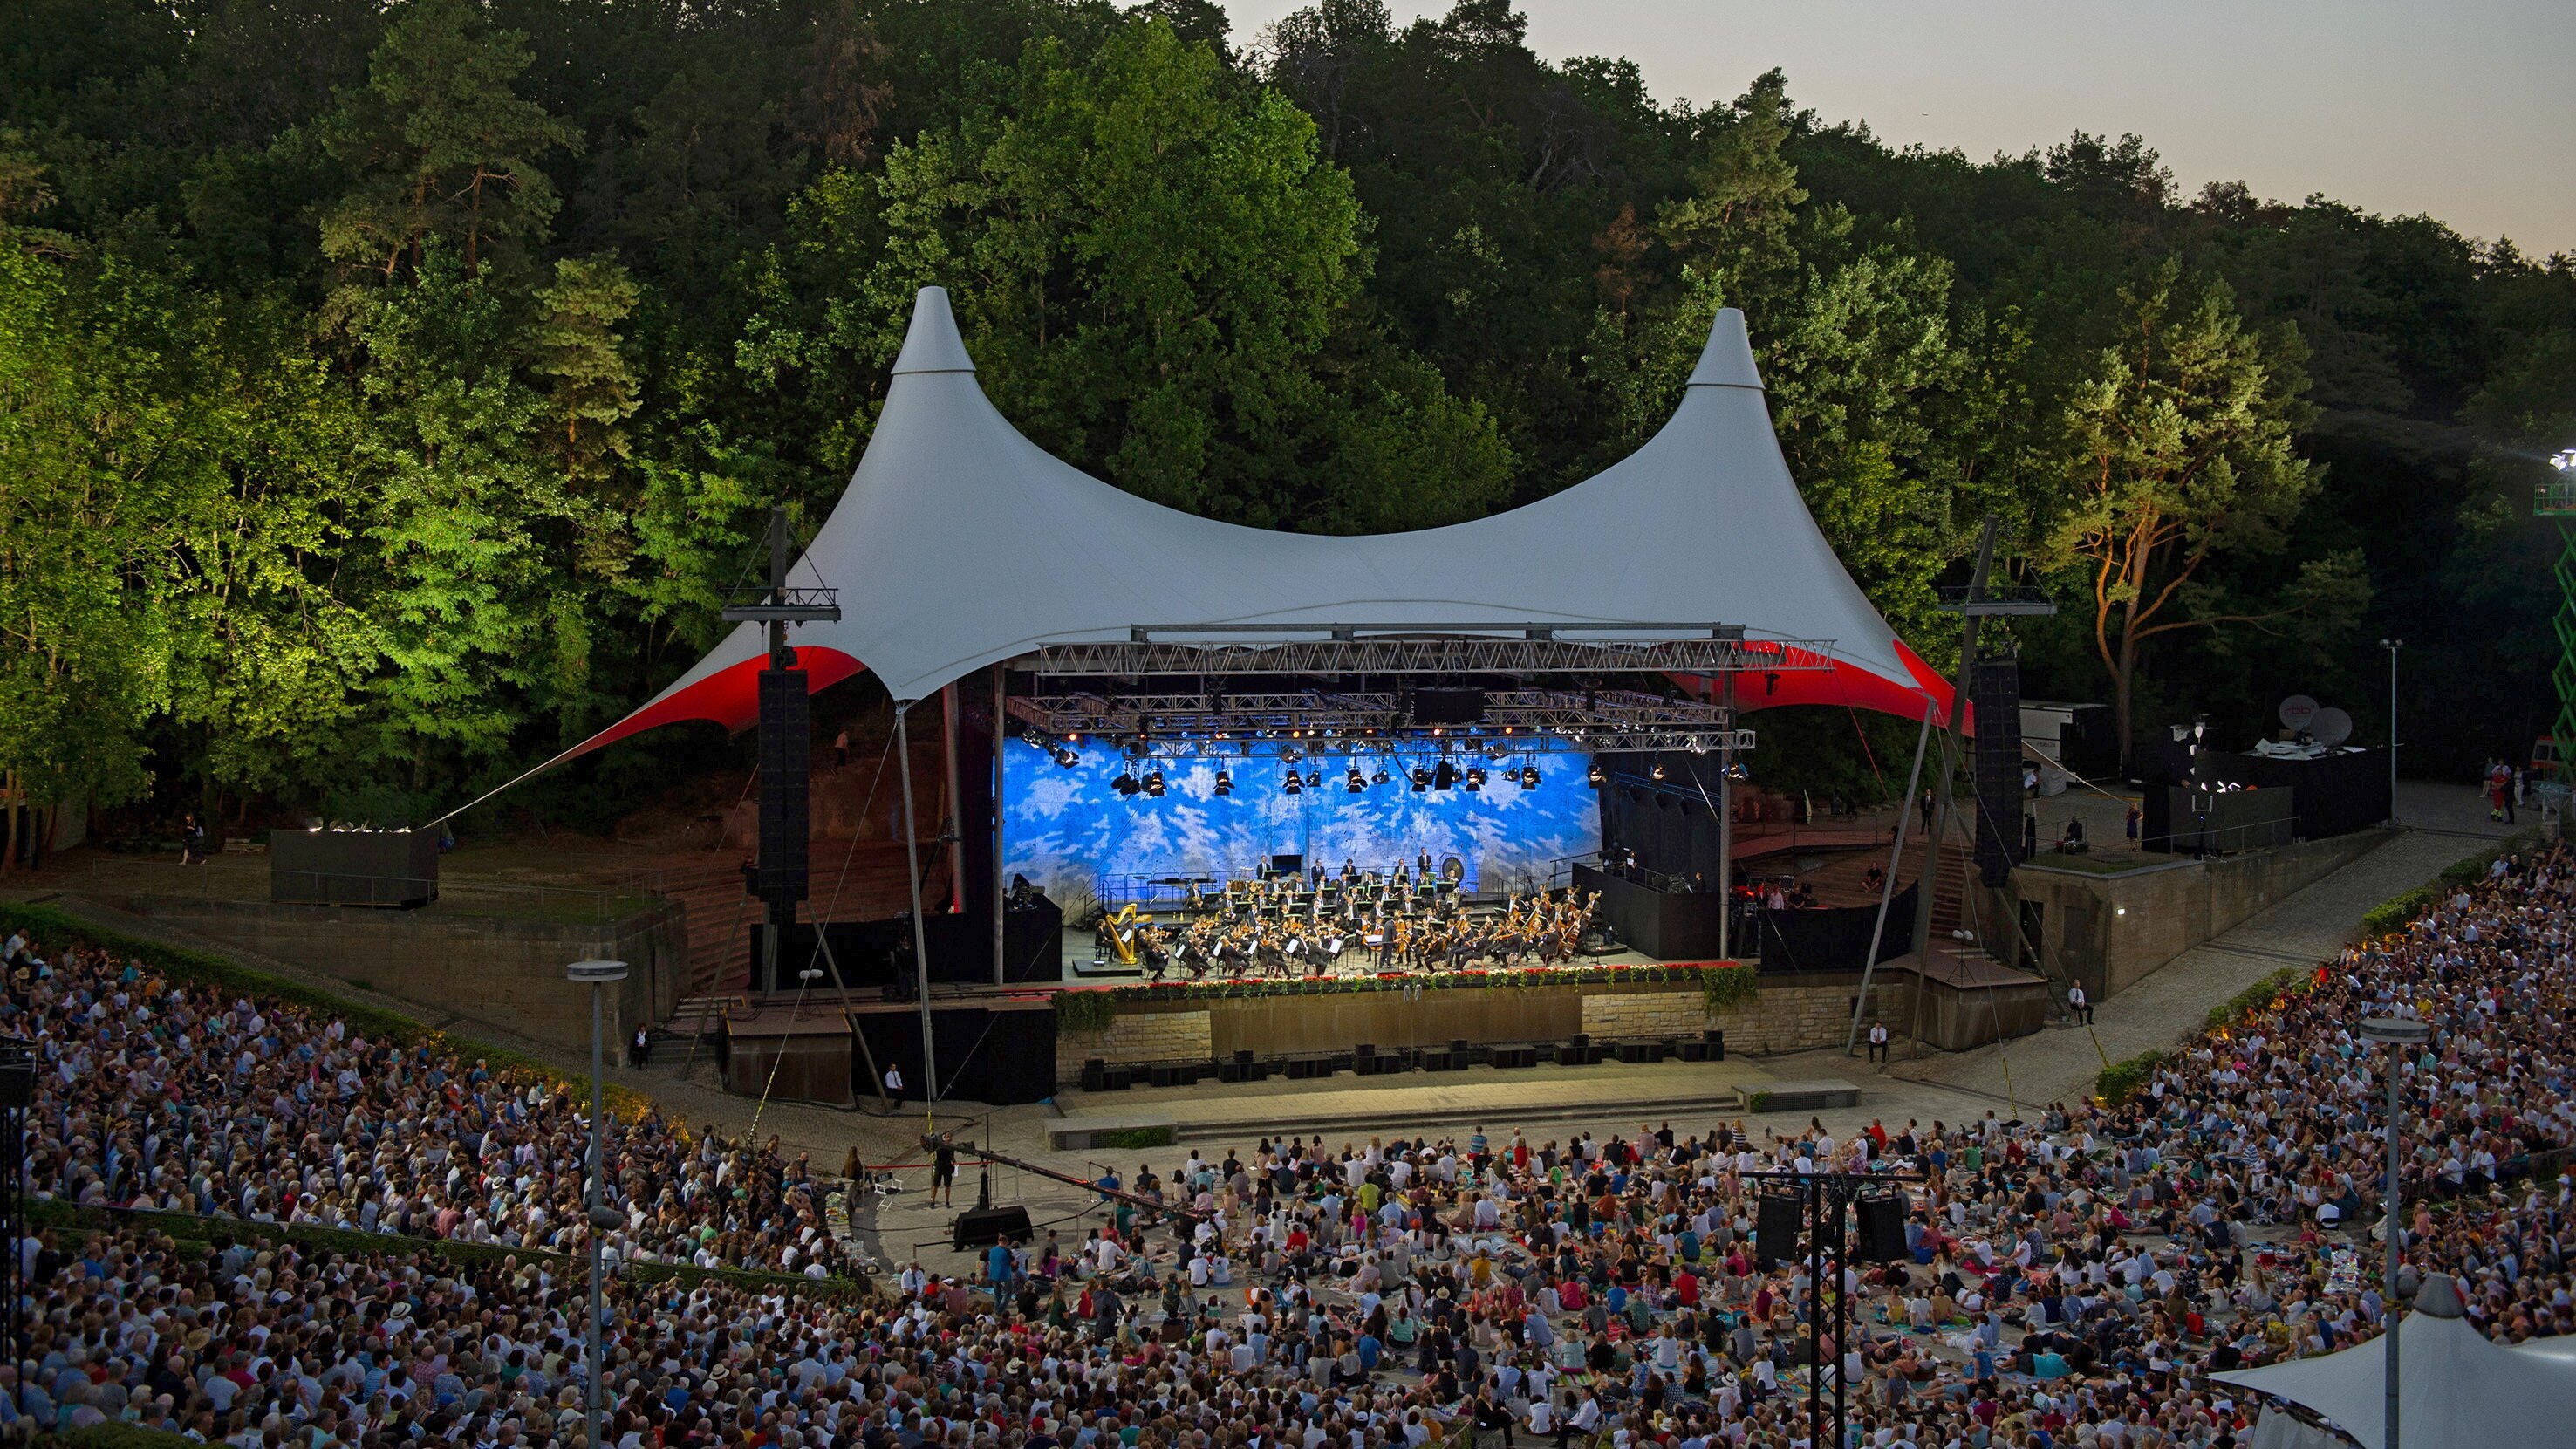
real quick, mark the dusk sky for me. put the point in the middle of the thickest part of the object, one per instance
(2465, 110)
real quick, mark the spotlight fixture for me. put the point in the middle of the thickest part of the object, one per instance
(1154, 783)
(1658, 772)
(1356, 782)
(1592, 776)
(1736, 772)
(1475, 777)
(1067, 758)
(1529, 777)
(1379, 778)
(1125, 784)
(1314, 779)
(1224, 783)
(1292, 784)
(1421, 779)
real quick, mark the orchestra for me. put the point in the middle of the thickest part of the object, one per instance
(1292, 924)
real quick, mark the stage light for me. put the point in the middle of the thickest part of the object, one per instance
(1067, 758)
(1658, 772)
(1154, 783)
(1224, 783)
(1592, 776)
(1356, 782)
(1379, 778)
(1292, 784)
(1736, 772)
(1421, 779)
(1125, 784)
(1314, 779)
(1529, 777)
(1444, 776)
(1475, 777)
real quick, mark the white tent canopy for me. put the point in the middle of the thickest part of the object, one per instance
(2457, 1390)
(960, 543)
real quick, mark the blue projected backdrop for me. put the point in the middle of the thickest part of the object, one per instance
(1069, 829)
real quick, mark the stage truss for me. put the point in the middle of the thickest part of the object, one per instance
(1363, 724)
(1355, 651)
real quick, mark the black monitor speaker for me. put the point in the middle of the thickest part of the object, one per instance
(982, 1228)
(1777, 1221)
(1882, 1229)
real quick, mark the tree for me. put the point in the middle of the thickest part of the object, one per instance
(2179, 454)
(442, 146)
(579, 358)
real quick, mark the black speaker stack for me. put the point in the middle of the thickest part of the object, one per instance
(1778, 1219)
(786, 747)
(983, 1227)
(1994, 688)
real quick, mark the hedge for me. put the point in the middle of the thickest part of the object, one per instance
(2262, 995)
(192, 1228)
(2122, 1080)
(2393, 915)
(1131, 1139)
(1723, 983)
(200, 968)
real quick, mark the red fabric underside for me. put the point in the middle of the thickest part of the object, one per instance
(1847, 685)
(730, 697)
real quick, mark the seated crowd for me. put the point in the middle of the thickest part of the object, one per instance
(157, 1094)
(2073, 1278)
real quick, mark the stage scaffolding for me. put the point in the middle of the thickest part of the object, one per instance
(1326, 723)
(1353, 651)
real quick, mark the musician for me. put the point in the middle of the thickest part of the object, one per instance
(1350, 872)
(1422, 865)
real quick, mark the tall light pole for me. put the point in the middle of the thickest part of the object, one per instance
(599, 975)
(2392, 646)
(2395, 1033)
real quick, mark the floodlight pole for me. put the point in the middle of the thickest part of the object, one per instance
(1726, 823)
(1950, 745)
(920, 936)
(2395, 1033)
(2392, 646)
(1887, 887)
(599, 976)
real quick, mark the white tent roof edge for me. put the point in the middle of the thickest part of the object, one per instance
(959, 543)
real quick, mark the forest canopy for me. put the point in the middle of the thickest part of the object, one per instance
(389, 392)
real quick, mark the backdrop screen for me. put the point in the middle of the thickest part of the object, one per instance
(1069, 829)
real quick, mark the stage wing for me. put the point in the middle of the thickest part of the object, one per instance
(959, 543)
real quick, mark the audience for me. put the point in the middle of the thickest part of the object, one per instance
(2073, 1276)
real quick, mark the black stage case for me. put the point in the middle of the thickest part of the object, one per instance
(2199, 821)
(999, 1057)
(877, 954)
(2335, 795)
(353, 867)
(1667, 925)
(1835, 938)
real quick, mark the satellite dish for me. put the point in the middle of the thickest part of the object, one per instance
(2299, 713)
(2330, 727)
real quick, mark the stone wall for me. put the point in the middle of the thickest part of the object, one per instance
(1134, 1037)
(2111, 931)
(1784, 1017)
(500, 971)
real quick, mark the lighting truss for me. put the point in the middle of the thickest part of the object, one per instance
(1378, 722)
(1432, 649)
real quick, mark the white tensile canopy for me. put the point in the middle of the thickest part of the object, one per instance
(2456, 1389)
(960, 543)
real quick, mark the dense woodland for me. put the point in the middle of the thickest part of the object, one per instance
(389, 392)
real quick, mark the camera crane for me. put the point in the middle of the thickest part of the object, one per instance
(985, 1224)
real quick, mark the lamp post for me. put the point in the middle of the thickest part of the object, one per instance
(2395, 1033)
(599, 976)
(2392, 646)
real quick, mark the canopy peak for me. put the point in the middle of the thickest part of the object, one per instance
(1727, 361)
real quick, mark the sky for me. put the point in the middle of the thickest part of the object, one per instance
(2464, 110)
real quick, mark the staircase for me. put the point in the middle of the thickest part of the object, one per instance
(1995, 942)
